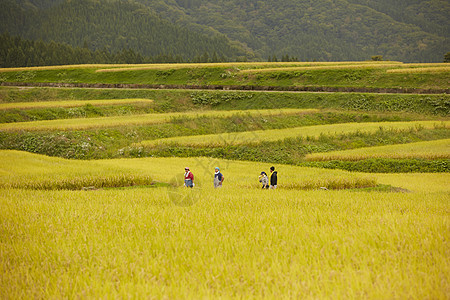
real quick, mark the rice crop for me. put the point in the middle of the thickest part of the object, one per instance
(134, 120)
(324, 67)
(423, 65)
(420, 70)
(250, 65)
(426, 150)
(72, 103)
(258, 136)
(235, 242)
(62, 67)
(33, 171)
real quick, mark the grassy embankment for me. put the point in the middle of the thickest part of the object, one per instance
(105, 132)
(345, 74)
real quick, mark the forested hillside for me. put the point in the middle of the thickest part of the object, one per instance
(112, 26)
(321, 30)
(409, 30)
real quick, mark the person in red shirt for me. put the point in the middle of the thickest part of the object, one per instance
(188, 178)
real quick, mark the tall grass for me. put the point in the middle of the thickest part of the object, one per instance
(32, 171)
(112, 67)
(253, 137)
(134, 120)
(71, 103)
(232, 242)
(62, 67)
(420, 70)
(427, 150)
(258, 65)
(324, 67)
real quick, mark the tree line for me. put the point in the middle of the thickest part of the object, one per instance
(18, 52)
(114, 26)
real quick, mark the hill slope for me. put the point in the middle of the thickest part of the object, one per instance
(409, 31)
(331, 30)
(114, 25)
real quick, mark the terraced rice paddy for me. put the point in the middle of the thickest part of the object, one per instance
(217, 140)
(128, 228)
(135, 120)
(426, 150)
(71, 103)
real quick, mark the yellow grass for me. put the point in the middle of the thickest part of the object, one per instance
(421, 70)
(258, 136)
(423, 65)
(238, 242)
(418, 182)
(371, 65)
(239, 65)
(71, 103)
(259, 65)
(26, 170)
(85, 66)
(427, 150)
(146, 119)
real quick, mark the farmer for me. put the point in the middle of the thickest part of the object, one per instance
(264, 180)
(218, 178)
(188, 178)
(273, 178)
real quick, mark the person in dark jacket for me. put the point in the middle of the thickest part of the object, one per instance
(218, 178)
(273, 178)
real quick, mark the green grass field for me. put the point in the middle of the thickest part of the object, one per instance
(73, 225)
(341, 74)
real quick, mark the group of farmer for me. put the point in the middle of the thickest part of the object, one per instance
(219, 178)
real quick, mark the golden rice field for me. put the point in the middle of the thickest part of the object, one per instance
(235, 242)
(33, 171)
(128, 228)
(144, 119)
(251, 67)
(325, 67)
(420, 70)
(242, 65)
(427, 150)
(72, 103)
(249, 137)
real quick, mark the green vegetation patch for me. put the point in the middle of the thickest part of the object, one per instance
(365, 75)
(185, 100)
(386, 165)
